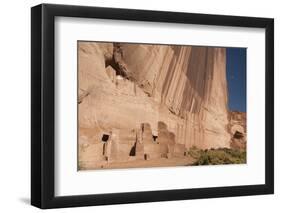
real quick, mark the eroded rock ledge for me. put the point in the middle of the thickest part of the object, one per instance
(238, 130)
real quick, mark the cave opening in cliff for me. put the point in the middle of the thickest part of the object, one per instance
(105, 138)
(154, 138)
(120, 70)
(238, 135)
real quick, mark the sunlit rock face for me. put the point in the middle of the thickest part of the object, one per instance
(147, 94)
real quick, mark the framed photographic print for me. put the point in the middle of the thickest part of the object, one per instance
(139, 106)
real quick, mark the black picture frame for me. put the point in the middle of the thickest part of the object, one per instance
(43, 102)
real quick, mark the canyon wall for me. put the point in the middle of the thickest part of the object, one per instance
(123, 87)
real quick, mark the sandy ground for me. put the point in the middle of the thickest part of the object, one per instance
(162, 162)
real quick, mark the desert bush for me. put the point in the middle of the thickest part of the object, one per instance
(217, 156)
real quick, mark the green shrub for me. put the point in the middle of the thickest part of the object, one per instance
(217, 156)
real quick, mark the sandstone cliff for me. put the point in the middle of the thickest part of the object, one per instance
(123, 86)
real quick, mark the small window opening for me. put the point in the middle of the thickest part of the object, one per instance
(105, 138)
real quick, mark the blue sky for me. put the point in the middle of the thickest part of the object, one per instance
(236, 78)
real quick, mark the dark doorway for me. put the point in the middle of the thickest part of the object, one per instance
(133, 151)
